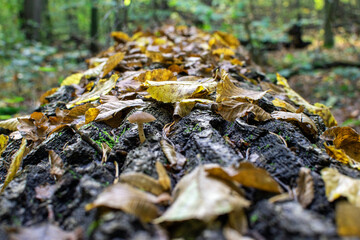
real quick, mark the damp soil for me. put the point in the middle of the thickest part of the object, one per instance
(202, 137)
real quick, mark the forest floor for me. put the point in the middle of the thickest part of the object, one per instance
(229, 154)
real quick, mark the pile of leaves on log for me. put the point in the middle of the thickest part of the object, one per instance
(225, 154)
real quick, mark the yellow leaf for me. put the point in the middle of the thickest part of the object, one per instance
(120, 36)
(227, 39)
(226, 52)
(347, 219)
(155, 56)
(72, 79)
(156, 75)
(284, 105)
(337, 154)
(318, 108)
(112, 62)
(164, 179)
(3, 142)
(184, 107)
(339, 185)
(226, 90)
(175, 91)
(15, 164)
(128, 199)
(102, 88)
(230, 110)
(306, 124)
(10, 124)
(91, 115)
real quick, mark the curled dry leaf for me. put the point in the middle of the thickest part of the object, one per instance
(72, 79)
(45, 232)
(338, 185)
(95, 71)
(347, 219)
(48, 93)
(341, 156)
(128, 199)
(175, 91)
(230, 110)
(105, 152)
(226, 90)
(120, 36)
(305, 123)
(305, 187)
(247, 175)
(56, 165)
(112, 62)
(175, 158)
(184, 107)
(15, 163)
(199, 196)
(3, 142)
(102, 87)
(317, 108)
(346, 139)
(142, 181)
(10, 124)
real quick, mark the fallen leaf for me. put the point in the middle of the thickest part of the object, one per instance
(112, 62)
(105, 150)
(143, 182)
(72, 79)
(230, 110)
(184, 107)
(225, 52)
(346, 139)
(175, 158)
(247, 175)
(164, 178)
(45, 232)
(227, 39)
(284, 105)
(48, 93)
(102, 88)
(199, 196)
(317, 108)
(3, 143)
(128, 199)
(156, 75)
(347, 219)
(226, 90)
(16, 160)
(305, 123)
(120, 36)
(56, 165)
(175, 91)
(45, 192)
(305, 187)
(95, 71)
(339, 185)
(10, 124)
(91, 114)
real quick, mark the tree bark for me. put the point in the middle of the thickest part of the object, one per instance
(94, 27)
(31, 16)
(328, 33)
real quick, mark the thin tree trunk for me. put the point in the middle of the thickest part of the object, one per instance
(328, 33)
(31, 14)
(94, 27)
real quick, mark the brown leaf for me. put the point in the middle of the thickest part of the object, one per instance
(128, 199)
(10, 124)
(230, 110)
(106, 150)
(142, 181)
(45, 192)
(164, 178)
(175, 158)
(226, 90)
(305, 123)
(346, 139)
(305, 187)
(56, 165)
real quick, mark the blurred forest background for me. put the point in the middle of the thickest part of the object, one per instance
(314, 43)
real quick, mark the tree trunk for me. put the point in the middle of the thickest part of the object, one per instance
(31, 16)
(328, 33)
(94, 27)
